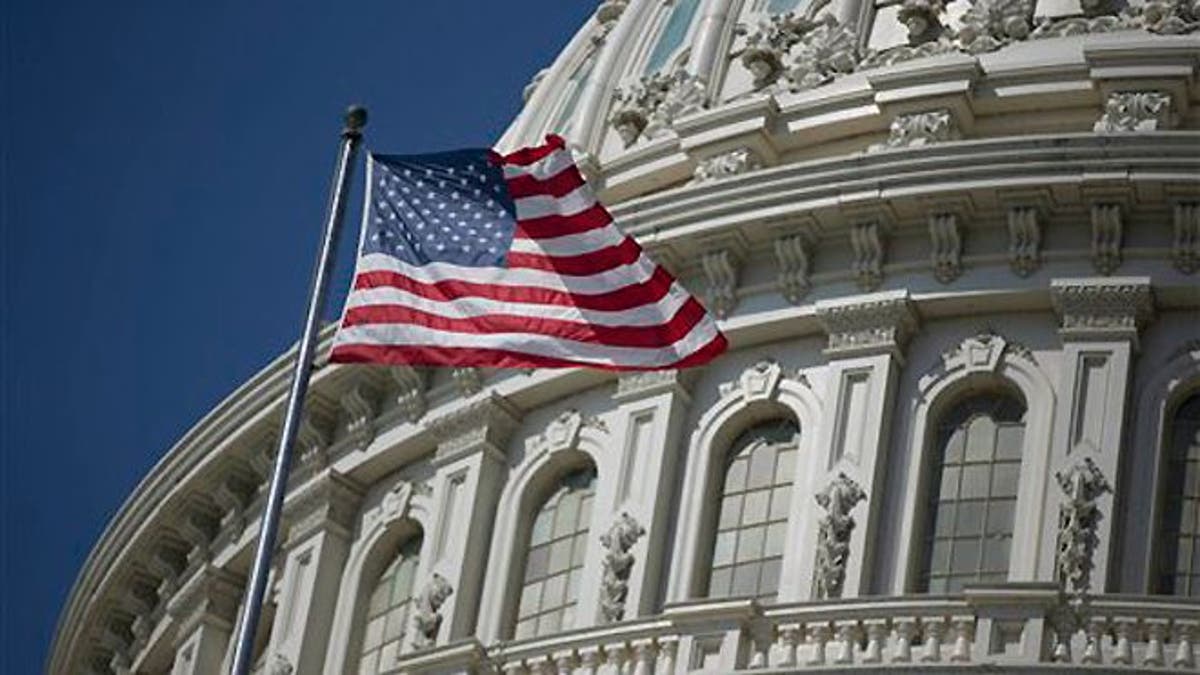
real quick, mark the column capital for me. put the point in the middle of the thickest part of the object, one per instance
(330, 502)
(869, 324)
(483, 425)
(644, 384)
(211, 596)
(1108, 308)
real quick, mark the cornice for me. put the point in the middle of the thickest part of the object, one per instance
(879, 323)
(1108, 308)
(482, 425)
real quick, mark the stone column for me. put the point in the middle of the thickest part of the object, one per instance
(704, 59)
(1099, 323)
(867, 337)
(649, 431)
(206, 609)
(319, 520)
(470, 463)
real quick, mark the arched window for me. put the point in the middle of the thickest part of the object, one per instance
(558, 542)
(1179, 547)
(388, 610)
(673, 33)
(755, 502)
(973, 492)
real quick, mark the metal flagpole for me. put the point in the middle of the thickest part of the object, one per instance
(356, 119)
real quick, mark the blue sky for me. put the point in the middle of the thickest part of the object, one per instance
(165, 167)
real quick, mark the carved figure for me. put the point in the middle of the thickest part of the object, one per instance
(427, 618)
(728, 164)
(922, 18)
(280, 665)
(1135, 111)
(618, 563)
(988, 25)
(1078, 519)
(652, 104)
(1171, 17)
(833, 538)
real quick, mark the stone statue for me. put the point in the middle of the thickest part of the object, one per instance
(618, 562)
(833, 538)
(1078, 519)
(427, 618)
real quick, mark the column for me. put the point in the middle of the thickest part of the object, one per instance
(1099, 322)
(470, 462)
(704, 59)
(206, 609)
(320, 521)
(651, 409)
(867, 337)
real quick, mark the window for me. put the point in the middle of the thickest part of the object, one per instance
(679, 22)
(1179, 548)
(781, 6)
(558, 541)
(388, 610)
(755, 503)
(973, 493)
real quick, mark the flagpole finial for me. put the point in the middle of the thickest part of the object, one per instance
(356, 119)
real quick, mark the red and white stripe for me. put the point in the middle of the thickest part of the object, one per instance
(575, 291)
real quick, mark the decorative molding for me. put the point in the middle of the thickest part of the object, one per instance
(397, 501)
(731, 163)
(945, 246)
(758, 382)
(913, 130)
(793, 259)
(312, 441)
(981, 353)
(649, 107)
(328, 502)
(563, 432)
(1078, 519)
(1126, 111)
(427, 613)
(410, 397)
(280, 665)
(212, 594)
(468, 380)
(1100, 17)
(826, 51)
(1024, 240)
(1185, 246)
(1171, 17)
(640, 384)
(988, 25)
(799, 51)
(359, 408)
(720, 268)
(866, 240)
(484, 424)
(833, 538)
(881, 322)
(618, 563)
(1102, 308)
(1107, 235)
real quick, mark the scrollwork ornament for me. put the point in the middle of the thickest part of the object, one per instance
(833, 538)
(618, 562)
(1078, 520)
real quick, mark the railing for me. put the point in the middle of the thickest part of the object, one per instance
(1018, 625)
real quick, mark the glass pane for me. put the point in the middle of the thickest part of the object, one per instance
(580, 550)
(564, 521)
(975, 481)
(539, 560)
(552, 592)
(526, 628)
(785, 466)
(374, 634)
(395, 624)
(585, 512)
(723, 550)
(530, 598)
(776, 534)
(780, 501)
(735, 478)
(572, 587)
(944, 520)
(1009, 439)
(954, 447)
(970, 519)
(966, 556)
(1000, 517)
(755, 508)
(560, 555)
(673, 34)
(768, 582)
(981, 438)
(762, 467)
(995, 555)
(718, 584)
(541, 528)
(1187, 516)
(549, 623)
(1004, 480)
(939, 560)
(750, 543)
(731, 512)
(745, 579)
(949, 489)
(937, 585)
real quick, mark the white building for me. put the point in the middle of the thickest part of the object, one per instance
(955, 249)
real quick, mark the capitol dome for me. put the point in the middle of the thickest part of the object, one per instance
(954, 246)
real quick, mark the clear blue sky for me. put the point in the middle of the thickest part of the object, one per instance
(165, 167)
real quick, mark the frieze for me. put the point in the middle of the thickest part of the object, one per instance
(725, 165)
(483, 424)
(914, 130)
(1102, 308)
(879, 323)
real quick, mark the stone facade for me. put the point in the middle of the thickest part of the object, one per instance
(896, 210)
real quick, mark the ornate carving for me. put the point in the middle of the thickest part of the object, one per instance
(906, 52)
(396, 502)
(767, 46)
(1115, 307)
(618, 563)
(1083, 484)
(867, 241)
(468, 380)
(652, 104)
(410, 397)
(792, 259)
(280, 665)
(918, 129)
(1095, 21)
(485, 422)
(1135, 111)
(721, 271)
(728, 164)
(980, 352)
(833, 539)
(312, 439)
(650, 382)
(923, 19)
(946, 247)
(608, 11)
(988, 25)
(358, 408)
(1024, 240)
(1185, 247)
(563, 431)
(828, 50)
(880, 322)
(1107, 230)
(427, 615)
(1171, 17)
(758, 382)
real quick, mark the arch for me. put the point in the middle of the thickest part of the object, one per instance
(395, 512)
(1169, 387)
(569, 443)
(980, 364)
(762, 392)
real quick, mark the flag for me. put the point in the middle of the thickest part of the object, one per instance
(472, 258)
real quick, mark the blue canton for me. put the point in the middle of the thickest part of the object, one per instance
(450, 207)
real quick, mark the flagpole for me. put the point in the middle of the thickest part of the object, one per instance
(356, 119)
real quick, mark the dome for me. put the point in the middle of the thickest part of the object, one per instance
(955, 248)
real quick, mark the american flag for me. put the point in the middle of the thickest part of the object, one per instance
(472, 258)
